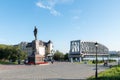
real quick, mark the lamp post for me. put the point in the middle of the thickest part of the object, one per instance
(96, 75)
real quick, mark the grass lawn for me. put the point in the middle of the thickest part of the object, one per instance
(110, 74)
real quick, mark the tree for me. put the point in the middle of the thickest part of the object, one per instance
(1, 53)
(22, 55)
(58, 56)
(66, 56)
(11, 53)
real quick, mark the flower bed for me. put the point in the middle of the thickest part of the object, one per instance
(31, 63)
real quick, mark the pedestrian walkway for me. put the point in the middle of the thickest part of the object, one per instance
(56, 71)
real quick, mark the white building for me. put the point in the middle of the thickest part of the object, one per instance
(80, 50)
(45, 48)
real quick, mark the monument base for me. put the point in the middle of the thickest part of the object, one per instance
(36, 59)
(39, 59)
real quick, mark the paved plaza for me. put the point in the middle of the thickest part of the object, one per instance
(56, 71)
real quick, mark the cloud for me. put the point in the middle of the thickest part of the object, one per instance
(54, 12)
(51, 4)
(39, 4)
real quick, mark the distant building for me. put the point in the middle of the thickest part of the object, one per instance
(45, 48)
(79, 50)
(114, 52)
(22, 46)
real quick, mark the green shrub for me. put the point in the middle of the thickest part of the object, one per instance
(7, 62)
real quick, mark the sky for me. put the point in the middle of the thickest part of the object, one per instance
(61, 21)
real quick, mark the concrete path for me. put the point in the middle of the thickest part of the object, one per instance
(56, 71)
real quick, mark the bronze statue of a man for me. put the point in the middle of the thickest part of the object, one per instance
(35, 33)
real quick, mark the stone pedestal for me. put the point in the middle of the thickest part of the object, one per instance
(39, 59)
(35, 57)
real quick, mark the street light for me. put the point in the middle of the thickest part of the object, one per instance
(96, 75)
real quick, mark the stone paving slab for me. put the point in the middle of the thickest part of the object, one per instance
(56, 71)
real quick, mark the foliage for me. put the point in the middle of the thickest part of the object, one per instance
(11, 53)
(7, 62)
(66, 56)
(102, 61)
(110, 60)
(99, 61)
(58, 56)
(110, 74)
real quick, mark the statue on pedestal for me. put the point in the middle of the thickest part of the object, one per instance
(35, 33)
(35, 57)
